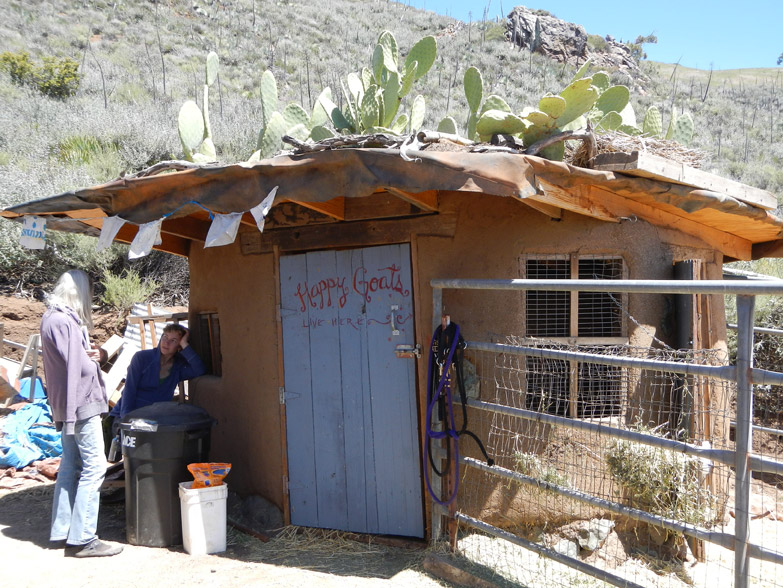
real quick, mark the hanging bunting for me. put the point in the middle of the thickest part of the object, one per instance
(33, 232)
(109, 230)
(223, 229)
(147, 237)
(259, 212)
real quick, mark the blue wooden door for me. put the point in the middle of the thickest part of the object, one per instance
(351, 418)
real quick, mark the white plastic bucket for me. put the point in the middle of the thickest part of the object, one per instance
(203, 518)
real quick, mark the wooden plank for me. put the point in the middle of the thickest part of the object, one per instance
(381, 205)
(281, 387)
(117, 374)
(300, 441)
(359, 450)
(112, 346)
(728, 244)
(647, 165)
(328, 421)
(425, 200)
(392, 389)
(576, 199)
(334, 208)
(345, 235)
(553, 212)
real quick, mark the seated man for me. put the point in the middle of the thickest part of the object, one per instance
(153, 374)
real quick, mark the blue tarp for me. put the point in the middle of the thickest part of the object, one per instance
(28, 435)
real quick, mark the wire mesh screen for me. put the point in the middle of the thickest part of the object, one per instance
(553, 463)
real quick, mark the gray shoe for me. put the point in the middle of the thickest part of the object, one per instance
(95, 548)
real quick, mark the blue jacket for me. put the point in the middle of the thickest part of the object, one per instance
(142, 384)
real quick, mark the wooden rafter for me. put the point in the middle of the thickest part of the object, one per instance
(334, 208)
(728, 244)
(576, 198)
(425, 200)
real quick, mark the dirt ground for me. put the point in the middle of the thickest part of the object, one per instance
(289, 559)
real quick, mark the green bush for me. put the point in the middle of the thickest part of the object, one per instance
(596, 43)
(18, 66)
(55, 77)
(123, 291)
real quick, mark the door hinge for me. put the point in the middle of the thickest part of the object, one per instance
(286, 395)
(285, 485)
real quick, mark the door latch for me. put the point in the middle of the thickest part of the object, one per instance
(407, 351)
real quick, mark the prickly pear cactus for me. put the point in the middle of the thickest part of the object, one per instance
(417, 113)
(190, 124)
(683, 129)
(652, 126)
(498, 121)
(268, 96)
(424, 53)
(447, 125)
(474, 88)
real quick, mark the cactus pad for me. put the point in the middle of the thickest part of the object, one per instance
(474, 88)
(268, 96)
(447, 125)
(269, 137)
(580, 97)
(554, 106)
(495, 102)
(613, 99)
(683, 129)
(601, 81)
(212, 67)
(652, 126)
(424, 52)
(190, 124)
(293, 114)
(418, 110)
(499, 121)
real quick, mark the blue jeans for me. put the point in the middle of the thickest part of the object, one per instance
(77, 491)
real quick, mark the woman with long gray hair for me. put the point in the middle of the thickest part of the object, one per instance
(77, 396)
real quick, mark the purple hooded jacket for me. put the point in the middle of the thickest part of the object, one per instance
(73, 381)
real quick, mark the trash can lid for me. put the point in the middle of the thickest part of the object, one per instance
(171, 416)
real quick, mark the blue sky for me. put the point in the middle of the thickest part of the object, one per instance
(698, 33)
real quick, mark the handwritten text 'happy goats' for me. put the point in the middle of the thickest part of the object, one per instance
(329, 290)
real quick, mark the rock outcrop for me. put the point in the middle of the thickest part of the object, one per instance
(566, 42)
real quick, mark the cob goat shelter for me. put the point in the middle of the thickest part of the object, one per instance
(317, 327)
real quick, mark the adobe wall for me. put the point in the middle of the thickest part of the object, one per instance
(491, 236)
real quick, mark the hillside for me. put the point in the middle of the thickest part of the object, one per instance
(139, 61)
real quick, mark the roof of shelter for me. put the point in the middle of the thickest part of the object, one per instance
(735, 219)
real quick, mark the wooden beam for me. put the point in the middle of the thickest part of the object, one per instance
(334, 208)
(647, 165)
(355, 234)
(186, 227)
(425, 200)
(728, 244)
(577, 198)
(553, 212)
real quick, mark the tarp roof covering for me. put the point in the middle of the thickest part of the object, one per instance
(329, 181)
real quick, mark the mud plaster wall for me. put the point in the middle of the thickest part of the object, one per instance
(491, 236)
(245, 400)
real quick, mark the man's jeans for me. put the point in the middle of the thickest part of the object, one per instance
(79, 479)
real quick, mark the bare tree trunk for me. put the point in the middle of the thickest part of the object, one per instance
(706, 91)
(160, 48)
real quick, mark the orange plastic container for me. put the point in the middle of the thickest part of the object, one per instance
(208, 474)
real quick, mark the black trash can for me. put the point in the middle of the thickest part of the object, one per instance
(158, 443)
